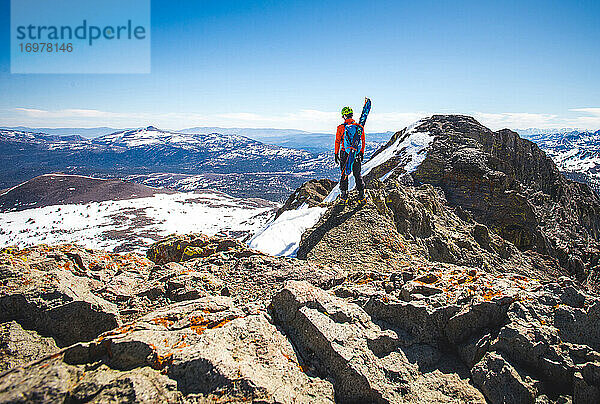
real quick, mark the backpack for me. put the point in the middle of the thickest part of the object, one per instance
(352, 137)
(352, 144)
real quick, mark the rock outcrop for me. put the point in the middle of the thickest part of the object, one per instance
(418, 332)
(510, 185)
(310, 193)
(406, 226)
(366, 362)
(246, 274)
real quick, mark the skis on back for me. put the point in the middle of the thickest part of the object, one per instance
(365, 112)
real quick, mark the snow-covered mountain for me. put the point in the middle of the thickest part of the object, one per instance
(144, 153)
(526, 133)
(576, 153)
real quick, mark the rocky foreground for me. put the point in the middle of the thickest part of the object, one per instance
(208, 320)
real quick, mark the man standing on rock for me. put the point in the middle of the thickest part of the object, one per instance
(349, 153)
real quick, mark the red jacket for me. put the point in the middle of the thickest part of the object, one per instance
(339, 136)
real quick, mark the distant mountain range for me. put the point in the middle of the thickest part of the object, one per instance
(186, 160)
(264, 170)
(83, 132)
(576, 153)
(293, 138)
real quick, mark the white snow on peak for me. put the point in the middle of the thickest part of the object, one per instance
(142, 137)
(282, 236)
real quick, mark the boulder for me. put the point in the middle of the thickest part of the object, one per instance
(46, 290)
(19, 346)
(53, 381)
(367, 363)
(200, 350)
(501, 382)
(311, 193)
(177, 248)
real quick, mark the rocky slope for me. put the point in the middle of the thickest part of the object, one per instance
(492, 180)
(509, 184)
(211, 320)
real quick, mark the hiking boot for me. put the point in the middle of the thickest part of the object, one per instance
(362, 201)
(344, 197)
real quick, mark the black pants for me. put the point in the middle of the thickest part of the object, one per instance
(356, 168)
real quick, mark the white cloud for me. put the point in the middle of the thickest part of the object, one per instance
(307, 119)
(588, 118)
(514, 120)
(591, 111)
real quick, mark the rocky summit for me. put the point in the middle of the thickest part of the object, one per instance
(470, 276)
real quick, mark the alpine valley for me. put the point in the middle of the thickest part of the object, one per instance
(182, 161)
(229, 163)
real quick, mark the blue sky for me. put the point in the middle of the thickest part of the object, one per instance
(294, 64)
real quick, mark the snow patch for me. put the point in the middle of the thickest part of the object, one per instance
(282, 236)
(133, 224)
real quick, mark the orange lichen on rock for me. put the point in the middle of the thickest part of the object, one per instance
(162, 361)
(117, 331)
(293, 361)
(490, 294)
(164, 321)
(199, 324)
(223, 322)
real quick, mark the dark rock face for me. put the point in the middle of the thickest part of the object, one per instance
(311, 193)
(404, 226)
(510, 185)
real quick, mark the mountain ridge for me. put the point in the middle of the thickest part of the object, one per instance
(496, 179)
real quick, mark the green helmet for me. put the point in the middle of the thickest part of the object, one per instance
(347, 111)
